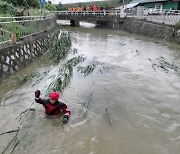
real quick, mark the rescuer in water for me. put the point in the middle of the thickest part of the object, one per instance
(52, 105)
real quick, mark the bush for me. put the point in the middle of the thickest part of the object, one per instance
(6, 8)
(29, 3)
(50, 7)
(177, 25)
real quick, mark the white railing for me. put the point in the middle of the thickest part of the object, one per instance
(95, 13)
(23, 26)
(170, 17)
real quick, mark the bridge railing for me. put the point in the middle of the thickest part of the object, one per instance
(93, 13)
(13, 28)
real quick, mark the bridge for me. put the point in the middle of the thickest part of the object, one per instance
(101, 18)
(112, 18)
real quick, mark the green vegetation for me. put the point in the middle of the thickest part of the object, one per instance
(87, 69)
(177, 25)
(61, 80)
(64, 74)
(21, 80)
(109, 3)
(58, 49)
(109, 118)
(18, 29)
(165, 65)
(11, 7)
(28, 3)
(6, 8)
(49, 6)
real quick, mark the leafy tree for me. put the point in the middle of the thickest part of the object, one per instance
(50, 7)
(6, 8)
(49, 2)
(29, 3)
(61, 7)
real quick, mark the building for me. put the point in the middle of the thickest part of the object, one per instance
(158, 4)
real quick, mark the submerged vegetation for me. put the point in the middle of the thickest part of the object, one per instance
(58, 49)
(109, 118)
(86, 70)
(64, 74)
(86, 105)
(165, 65)
(20, 80)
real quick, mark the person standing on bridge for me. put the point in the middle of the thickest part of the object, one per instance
(84, 8)
(52, 105)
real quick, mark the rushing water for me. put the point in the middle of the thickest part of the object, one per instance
(129, 104)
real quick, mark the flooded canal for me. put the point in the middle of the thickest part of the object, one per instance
(129, 103)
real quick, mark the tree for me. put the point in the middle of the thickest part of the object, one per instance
(29, 3)
(50, 7)
(49, 2)
(6, 8)
(120, 1)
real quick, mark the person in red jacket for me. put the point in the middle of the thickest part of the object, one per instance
(52, 105)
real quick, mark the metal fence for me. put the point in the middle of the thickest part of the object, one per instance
(22, 26)
(169, 17)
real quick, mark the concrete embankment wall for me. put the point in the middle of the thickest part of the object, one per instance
(145, 28)
(19, 55)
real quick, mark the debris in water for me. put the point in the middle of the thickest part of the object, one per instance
(166, 66)
(86, 104)
(74, 51)
(75, 60)
(109, 119)
(58, 49)
(86, 70)
(9, 132)
(64, 74)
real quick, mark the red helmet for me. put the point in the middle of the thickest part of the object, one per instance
(54, 96)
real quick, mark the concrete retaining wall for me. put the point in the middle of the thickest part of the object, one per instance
(145, 28)
(19, 55)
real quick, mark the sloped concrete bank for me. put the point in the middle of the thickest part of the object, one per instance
(145, 28)
(19, 55)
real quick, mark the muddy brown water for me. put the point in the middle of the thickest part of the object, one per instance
(129, 104)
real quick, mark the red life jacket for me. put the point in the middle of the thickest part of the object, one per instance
(53, 109)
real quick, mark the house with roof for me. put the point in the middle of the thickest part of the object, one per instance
(156, 4)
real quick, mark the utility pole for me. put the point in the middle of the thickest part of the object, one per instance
(42, 2)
